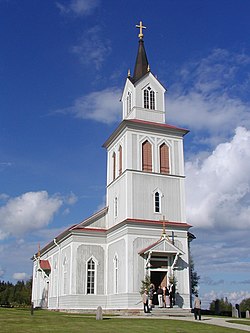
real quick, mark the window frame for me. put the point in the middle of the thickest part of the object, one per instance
(149, 101)
(115, 266)
(92, 276)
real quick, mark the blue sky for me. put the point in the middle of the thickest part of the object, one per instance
(60, 60)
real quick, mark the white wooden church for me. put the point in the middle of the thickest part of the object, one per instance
(142, 230)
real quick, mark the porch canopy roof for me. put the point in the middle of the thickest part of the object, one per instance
(161, 247)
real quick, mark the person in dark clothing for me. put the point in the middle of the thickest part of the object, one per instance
(172, 294)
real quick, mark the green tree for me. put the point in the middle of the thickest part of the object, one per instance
(245, 304)
(145, 284)
(220, 305)
(194, 277)
(18, 294)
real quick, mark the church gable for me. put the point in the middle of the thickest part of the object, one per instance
(162, 245)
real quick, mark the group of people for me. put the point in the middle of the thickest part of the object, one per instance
(163, 296)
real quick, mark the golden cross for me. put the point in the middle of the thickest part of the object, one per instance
(141, 27)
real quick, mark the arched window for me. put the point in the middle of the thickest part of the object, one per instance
(164, 159)
(147, 156)
(157, 202)
(91, 276)
(115, 274)
(114, 164)
(116, 207)
(152, 100)
(149, 99)
(129, 102)
(120, 160)
(146, 99)
(65, 266)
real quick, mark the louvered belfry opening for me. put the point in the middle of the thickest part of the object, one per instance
(147, 156)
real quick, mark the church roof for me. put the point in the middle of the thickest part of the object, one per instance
(141, 64)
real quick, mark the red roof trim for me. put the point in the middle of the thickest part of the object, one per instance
(179, 224)
(157, 124)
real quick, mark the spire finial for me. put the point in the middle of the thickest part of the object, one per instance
(39, 251)
(140, 26)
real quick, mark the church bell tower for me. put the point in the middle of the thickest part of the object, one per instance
(145, 171)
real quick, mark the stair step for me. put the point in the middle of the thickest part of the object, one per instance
(175, 312)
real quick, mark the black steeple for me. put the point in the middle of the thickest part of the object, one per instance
(141, 64)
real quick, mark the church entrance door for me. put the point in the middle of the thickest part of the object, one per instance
(158, 278)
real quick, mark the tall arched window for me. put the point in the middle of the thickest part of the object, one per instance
(114, 164)
(146, 99)
(147, 156)
(91, 272)
(164, 159)
(129, 102)
(120, 160)
(116, 207)
(149, 99)
(65, 266)
(115, 274)
(157, 202)
(152, 100)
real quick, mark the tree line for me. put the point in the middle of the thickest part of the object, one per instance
(220, 306)
(18, 294)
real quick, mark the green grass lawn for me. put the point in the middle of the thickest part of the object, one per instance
(21, 321)
(240, 321)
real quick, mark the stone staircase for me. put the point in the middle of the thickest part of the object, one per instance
(170, 312)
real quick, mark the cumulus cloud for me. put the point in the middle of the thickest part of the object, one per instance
(92, 49)
(218, 187)
(20, 276)
(102, 106)
(71, 199)
(78, 7)
(210, 96)
(4, 196)
(30, 211)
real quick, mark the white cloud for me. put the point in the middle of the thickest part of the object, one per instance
(71, 199)
(102, 106)
(4, 165)
(234, 297)
(92, 49)
(211, 96)
(4, 196)
(20, 276)
(218, 187)
(30, 211)
(78, 7)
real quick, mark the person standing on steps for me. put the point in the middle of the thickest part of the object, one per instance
(172, 294)
(197, 307)
(160, 296)
(151, 296)
(145, 301)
